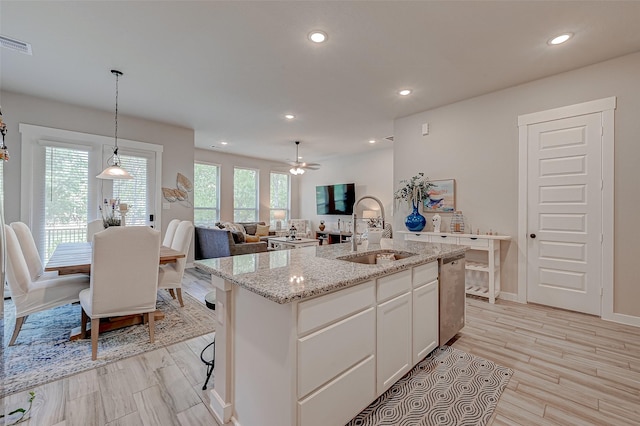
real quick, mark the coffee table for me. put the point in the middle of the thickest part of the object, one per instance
(284, 243)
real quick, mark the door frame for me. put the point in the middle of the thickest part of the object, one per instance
(31, 135)
(606, 107)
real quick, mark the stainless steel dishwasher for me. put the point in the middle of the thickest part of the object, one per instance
(452, 296)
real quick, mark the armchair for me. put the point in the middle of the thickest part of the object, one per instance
(170, 275)
(38, 293)
(124, 278)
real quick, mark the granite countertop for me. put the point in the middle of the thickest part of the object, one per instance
(287, 275)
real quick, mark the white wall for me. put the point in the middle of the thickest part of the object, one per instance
(476, 142)
(371, 172)
(228, 162)
(178, 142)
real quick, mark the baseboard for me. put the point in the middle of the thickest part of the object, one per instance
(623, 319)
(512, 297)
(219, 408)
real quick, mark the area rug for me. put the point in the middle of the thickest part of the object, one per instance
(43, 351)
(449, 387)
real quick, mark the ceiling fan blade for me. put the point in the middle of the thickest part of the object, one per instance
(312, 167)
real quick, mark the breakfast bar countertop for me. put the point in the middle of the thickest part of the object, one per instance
(284, 276)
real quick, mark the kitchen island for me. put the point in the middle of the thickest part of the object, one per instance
(305, 338)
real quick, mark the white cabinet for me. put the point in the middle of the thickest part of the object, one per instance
(336, 355)
(425, 310)
(394, 340)
(482, 260)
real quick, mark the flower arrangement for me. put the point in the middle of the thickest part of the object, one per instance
(108, 210)
(4, 152)
(414, 190)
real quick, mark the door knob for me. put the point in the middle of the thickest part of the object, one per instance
(532, 235)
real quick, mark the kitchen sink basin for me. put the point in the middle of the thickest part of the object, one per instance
(377, 257)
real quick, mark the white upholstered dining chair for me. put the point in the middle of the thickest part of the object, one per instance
(30, 251)
(93, 227)
(170, 275)
(171, 231)
(124, 277)
(39, 292)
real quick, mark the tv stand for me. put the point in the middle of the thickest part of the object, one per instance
(333, 237)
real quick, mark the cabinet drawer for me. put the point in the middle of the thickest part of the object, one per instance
(343, 398)
(473, 242)
(393, 285)
(444, 239)
(414, 237)
(328, 352)
(425, 273)
(318, 312)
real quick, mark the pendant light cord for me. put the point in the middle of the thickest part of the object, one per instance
(117, 74)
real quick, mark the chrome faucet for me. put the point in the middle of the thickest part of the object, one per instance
(354, 236)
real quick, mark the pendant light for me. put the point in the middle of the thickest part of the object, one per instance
(114, 170)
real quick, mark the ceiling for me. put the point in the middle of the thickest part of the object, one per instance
(231, 70)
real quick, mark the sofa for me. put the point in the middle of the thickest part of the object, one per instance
(216, 242)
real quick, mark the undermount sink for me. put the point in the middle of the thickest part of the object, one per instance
(377, 257)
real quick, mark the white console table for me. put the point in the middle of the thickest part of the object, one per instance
(482, 262)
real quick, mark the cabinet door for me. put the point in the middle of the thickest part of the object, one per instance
(425, 320)
(394, 341)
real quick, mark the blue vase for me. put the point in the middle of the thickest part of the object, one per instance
(415, 222)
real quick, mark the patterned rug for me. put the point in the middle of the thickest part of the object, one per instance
(449, 387)
(43, 351)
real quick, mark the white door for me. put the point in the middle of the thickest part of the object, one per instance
(425, 320)
(564, 221)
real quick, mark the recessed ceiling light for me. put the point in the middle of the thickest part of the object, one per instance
(372, 141)
(289, 116)
(224, 143)
(318, 36)
(404, 92)
(560, 39)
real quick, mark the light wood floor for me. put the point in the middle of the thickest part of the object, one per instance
(569, 369)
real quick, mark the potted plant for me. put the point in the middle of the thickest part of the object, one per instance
(414, 191)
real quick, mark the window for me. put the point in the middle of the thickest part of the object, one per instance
(134, 192)
(206, 193)
(245, 195)
(66, 193)
(279, 197)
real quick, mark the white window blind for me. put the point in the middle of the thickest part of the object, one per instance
(279, 196)
(245, 195)
(206, 193)
(134, 192)
(65, 197)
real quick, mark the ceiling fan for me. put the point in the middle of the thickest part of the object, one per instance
(298, 167)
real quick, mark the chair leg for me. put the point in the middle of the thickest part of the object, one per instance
(83, 324)
(152, 326)
(172, 293)
(95, 329)
(16, 329)
(179, 291)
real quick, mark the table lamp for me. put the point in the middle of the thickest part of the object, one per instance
(372, 216)
(278, 215)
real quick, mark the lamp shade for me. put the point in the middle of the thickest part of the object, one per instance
(369, 214)
(279, 214)
(114, 172)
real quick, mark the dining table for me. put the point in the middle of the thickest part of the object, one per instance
(75, 258)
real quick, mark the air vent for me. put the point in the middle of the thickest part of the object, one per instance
(389, 138)
(17, 45)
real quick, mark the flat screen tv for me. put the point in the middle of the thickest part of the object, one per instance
(335, 199)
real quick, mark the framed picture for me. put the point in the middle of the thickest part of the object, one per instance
(442, 197)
